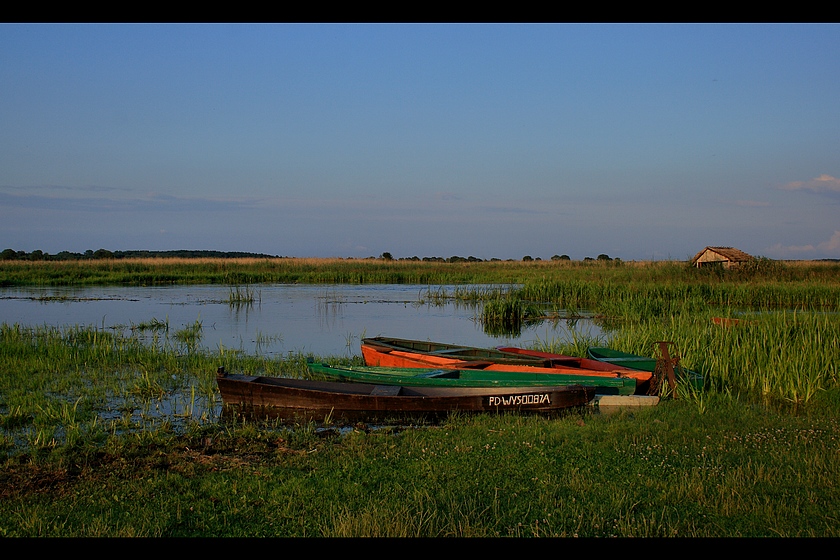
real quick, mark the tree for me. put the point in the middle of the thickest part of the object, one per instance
(103, 254)
(386, 256)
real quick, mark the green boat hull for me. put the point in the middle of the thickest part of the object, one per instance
(642, 363)
(414, 377)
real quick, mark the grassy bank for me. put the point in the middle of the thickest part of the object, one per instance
(664, 472)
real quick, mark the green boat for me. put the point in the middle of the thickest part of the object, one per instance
(444, 377)
(643, 363)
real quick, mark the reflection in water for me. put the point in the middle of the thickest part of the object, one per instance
(284, 319)
(329, 309)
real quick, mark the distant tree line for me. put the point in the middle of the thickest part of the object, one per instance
(452, 259)
(38, 255)
(455, 259)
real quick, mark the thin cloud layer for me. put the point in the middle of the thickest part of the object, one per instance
(822, 184)
(831, 248)
(56, 197)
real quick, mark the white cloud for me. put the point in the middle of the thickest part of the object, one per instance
(783, 251)
(832, 245)
(825, 249)
(822, 184)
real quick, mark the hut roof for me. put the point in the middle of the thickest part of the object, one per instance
(729, 253)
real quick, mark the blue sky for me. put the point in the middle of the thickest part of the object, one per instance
(643, 141)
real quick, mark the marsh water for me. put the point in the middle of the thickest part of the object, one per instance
(279, 319)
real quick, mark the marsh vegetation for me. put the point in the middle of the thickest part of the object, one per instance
(105, 434)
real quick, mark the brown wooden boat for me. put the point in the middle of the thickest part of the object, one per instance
(304, 399)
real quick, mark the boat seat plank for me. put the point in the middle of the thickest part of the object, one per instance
(446, 351)
(625, 359)
(386, 390)
(438, 373)
(475, 364)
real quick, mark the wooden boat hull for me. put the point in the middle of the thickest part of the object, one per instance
(447, 377)
(405, 353)
(332, 401)
(642, 363)
(383, 357)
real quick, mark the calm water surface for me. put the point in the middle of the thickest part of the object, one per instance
(325, 320)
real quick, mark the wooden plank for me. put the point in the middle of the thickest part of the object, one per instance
(440, 373)
(626, 400)
(386, 391)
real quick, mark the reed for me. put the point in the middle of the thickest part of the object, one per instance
(151, 325)
(507, 315)
(246, 271)
(501, 316)
(821, 278)
(243, 295)
(641, 300)
(190, 336)
(788, 357)
(574, 346)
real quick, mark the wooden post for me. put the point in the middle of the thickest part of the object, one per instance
(665, 367)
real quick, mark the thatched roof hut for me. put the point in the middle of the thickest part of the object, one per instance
(727, 256)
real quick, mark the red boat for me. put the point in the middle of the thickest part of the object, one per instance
(560, 359)
(404, 353)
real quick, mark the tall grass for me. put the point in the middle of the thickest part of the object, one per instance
(642, 299)
(252, 272)
(545, 280)
(239, 295)
(782, 357)
(507, 315)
